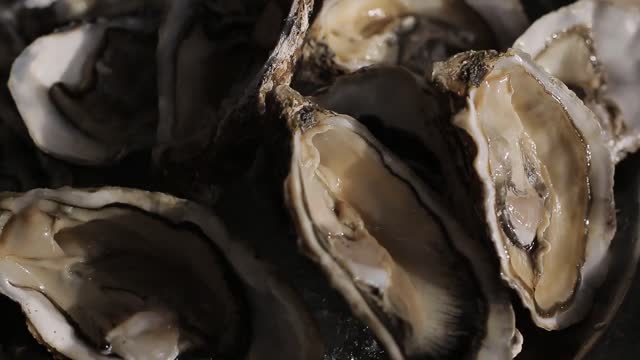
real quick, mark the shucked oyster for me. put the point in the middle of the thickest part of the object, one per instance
(591, 46)
(406, 113)
(94, 102)
(547, 180)
(95, 105)
(398, 108)
(136, 275)
(350, 34)
(212, 56)
(403, 264)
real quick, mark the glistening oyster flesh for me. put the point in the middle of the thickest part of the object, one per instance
(350, 34)
(388, 245)
(591, 46)
(547, 179)
(118, 272)
(409, 116)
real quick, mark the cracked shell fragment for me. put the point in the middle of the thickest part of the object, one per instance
(387, 244)
(547, 180)
(123, 273)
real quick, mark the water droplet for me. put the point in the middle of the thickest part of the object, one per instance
(106, 349)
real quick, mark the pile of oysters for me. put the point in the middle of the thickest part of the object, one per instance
(338, 179)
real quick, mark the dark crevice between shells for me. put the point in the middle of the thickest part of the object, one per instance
(409, 148)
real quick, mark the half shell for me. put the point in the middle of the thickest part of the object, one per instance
(64, 103)
(592, 46)
(388, 245)
(547, 180)
(138, 275)
(348, 35)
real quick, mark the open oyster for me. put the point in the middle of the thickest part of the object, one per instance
(591, 46)
(387, 244)
(93, 104)
(348, 35)
(161, 79)
(398, 108)
(410, 117)
(138, 275)
(547, 179)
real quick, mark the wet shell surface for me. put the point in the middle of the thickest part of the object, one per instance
(338, 179)
(64, 134)
(138, 275)
(348, 35)
(547, 180)
(389, 246)
(591, 46)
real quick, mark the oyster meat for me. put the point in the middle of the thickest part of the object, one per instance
(388, 245)
(350, 34)
(547, 179)
(592, 46)
(138, 275)
(409, 116)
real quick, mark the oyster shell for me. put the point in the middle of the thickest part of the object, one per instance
(591, 46)
(410, 117)
(195, 70)
(234, 41)
(348, 35)
(67, 115)
(400, 260)
(242, 129)
(93, 285)
(399, 109)
(547, 180)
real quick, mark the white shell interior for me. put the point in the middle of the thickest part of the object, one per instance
(50, 236)
(362, 33)
(55, 58)
(363, 215)
(556, 185)
(613, 30)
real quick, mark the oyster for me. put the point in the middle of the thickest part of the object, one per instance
(138, 275)
(348, 35)
(409, 116)
(401, 261)
(547, 179)
(87, 108)
(399, 109)
(591, 46)
(195, 68)
(234, 41)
